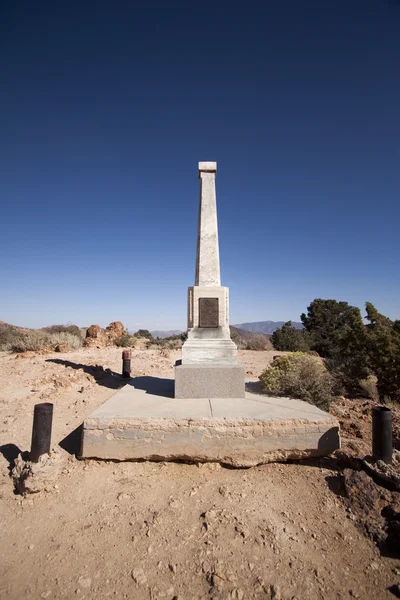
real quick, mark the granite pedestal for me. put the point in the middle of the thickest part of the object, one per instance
(209, 381)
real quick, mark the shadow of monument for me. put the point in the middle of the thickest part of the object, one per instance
(254, 387)
(157, 386)
(102, 376)
(72, 443)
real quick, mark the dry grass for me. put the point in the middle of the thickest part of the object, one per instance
(16, 339)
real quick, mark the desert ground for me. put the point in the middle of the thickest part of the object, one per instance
(104, 529)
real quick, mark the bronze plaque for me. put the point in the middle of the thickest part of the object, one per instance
(208, 312)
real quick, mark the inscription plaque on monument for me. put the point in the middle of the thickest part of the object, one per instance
(208, 312)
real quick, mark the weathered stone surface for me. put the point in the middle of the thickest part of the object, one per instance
(134, 425)
(201, 351)
(209, 381)
(207, 259)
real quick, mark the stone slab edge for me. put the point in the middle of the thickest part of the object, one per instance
(237, 442)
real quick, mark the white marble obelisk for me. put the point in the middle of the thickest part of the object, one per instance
(209, 340)
(207, 257)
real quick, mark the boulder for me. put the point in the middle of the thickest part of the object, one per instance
(96, 337)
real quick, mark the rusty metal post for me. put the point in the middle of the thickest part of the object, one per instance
(126, 364)
(382, 434)
(41, 430)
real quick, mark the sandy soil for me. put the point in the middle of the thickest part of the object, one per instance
(166, 530)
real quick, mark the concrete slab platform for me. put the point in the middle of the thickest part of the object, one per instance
(136, 424)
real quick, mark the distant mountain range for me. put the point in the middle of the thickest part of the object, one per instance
(164, 334)
(254, 327)
(266, 326)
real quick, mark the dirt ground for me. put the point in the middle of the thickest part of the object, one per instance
(167, 530)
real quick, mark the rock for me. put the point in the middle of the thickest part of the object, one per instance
(30, 478)
(85, 582)
(138, 576)
(27, 354)
(115, 330)
(61, 348)
(368, 502)
(96, 337)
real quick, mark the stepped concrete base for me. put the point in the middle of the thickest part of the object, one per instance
(209, 381)
(243, 432)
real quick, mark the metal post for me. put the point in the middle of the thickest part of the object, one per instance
(41, 430)
(126, 364)
(382, 434)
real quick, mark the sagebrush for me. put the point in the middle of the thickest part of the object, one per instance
(299, 375)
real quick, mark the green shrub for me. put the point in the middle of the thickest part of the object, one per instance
(291, 339)
(143, 333)
(337, 333)
(125, 341)
(383, 339)
(299, 375)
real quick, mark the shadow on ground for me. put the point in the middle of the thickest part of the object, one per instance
(254, 387)
(102, 376)
(154, 385)
(72, 443)
(10, 453)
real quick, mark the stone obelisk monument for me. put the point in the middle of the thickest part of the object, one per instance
(209, 366)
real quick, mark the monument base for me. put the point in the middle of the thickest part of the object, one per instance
(209, 381)
(209, 351)
(135, 424)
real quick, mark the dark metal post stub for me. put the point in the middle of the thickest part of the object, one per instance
(382, 434)
(41, 430)
(126, 364)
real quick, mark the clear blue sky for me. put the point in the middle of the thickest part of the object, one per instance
(106, 108)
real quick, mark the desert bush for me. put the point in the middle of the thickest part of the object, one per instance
(18, 340)
(291, 339)
(72, 340)
(125, 341)
(247, 340)
(173, 342)
(70, 328)
(8, 335)
(33, 340)
(258, 341)
(143, 333)
(299, 375)
(369, 386)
